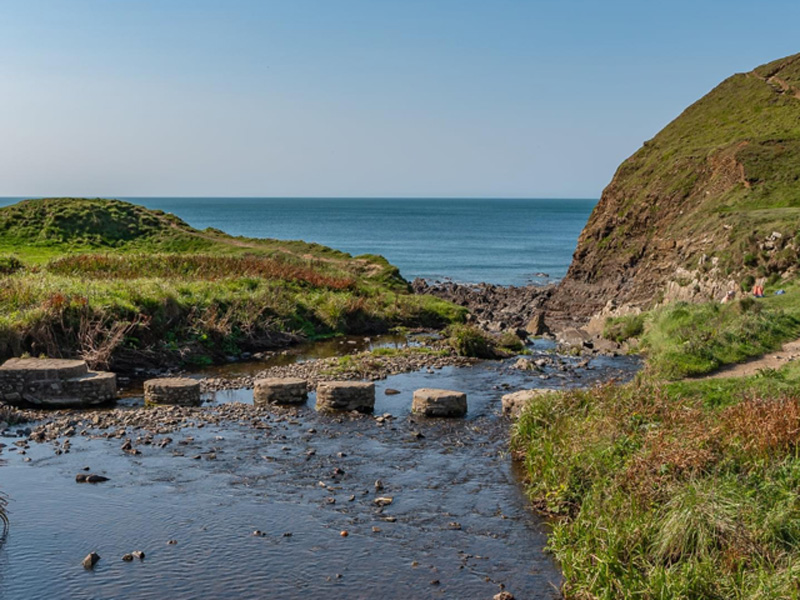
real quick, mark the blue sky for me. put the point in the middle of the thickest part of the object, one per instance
(493, 98)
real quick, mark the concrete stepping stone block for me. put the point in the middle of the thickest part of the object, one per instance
(431, 402)
(180, 391)
(55, 383)
(280, 391)
(346, 395)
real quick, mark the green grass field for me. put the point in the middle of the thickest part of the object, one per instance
(673, 487)
(122, 285)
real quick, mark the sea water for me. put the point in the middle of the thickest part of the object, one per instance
(501, 241)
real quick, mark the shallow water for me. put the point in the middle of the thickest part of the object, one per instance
(463, 526)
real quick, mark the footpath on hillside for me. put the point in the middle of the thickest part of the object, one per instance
(774, 360)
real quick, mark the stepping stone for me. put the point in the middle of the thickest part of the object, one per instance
(280, 391)
(55, 383)
(181, 391)
(439, 403)
(346, 395)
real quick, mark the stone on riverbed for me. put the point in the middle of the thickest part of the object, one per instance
(439, 403)
(180, 391)
(346, 395)
(514, 403)
(280, 391)
(55, 383)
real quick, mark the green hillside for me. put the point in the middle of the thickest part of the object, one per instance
(124, 286)
(705, 195)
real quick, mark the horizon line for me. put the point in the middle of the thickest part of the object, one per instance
(112, 197)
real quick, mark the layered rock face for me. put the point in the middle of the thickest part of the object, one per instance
(710, 202)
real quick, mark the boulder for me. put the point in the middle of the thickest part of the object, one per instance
(515, 402)
(439, 403)
(346, 395)
(536, 325)
(280, 391)
(572, 337)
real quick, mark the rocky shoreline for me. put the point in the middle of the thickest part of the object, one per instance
(492, 307)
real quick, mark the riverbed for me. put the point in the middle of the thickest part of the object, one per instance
(283, 503)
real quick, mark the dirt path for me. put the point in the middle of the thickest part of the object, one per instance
(774, 360)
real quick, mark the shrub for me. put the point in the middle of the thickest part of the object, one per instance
(510, 341)
(467, 340)
(10, 265)
(623, 328)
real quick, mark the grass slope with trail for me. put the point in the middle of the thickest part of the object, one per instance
(125, 286)
(673, 486)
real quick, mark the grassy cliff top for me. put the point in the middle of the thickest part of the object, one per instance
(95, 223)
(733, 156)
(708, 192)
(40, 230)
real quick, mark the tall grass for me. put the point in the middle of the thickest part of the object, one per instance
(661, 494)
(201, 266)
(176, 317)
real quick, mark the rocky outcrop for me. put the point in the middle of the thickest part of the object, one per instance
(494, 307)
(685, 216)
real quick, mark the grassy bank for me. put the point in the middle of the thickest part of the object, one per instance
(677, 488)
(124, 286)
(684, 340)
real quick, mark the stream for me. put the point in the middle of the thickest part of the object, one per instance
(288, 509)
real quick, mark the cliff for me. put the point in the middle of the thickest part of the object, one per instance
(712, 202)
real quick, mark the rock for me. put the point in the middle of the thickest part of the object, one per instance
(525, 364)
(91, 560)
(573, 337)
(514, 403)
(127, 557)
(504, 596)
(383, 501)
(180, 391)
(439, 403)
(280, 391)
(89, 478)
(536, 325)
(346, 396)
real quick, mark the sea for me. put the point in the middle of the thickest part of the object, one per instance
(494, 240)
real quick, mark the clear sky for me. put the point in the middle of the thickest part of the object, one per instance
(493, 98)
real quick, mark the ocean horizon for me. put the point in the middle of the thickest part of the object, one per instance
(505, 241)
